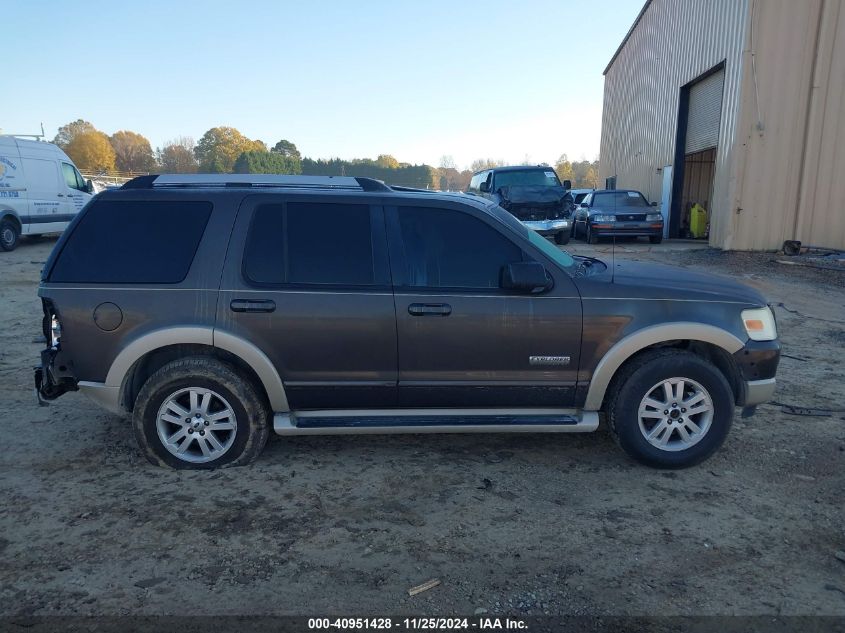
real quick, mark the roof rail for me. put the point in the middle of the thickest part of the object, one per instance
(154, 181)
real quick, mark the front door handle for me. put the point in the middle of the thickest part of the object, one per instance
(252, 305)
(429, 309)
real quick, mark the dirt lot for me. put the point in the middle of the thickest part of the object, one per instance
(510, 524)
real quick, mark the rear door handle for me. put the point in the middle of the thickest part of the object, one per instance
(429, 309)
(251, 305)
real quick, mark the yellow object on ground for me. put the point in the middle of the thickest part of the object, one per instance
(698, 221)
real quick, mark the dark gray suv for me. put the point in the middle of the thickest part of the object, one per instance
(214, 308)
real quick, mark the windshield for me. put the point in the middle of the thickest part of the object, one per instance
(562, 258)
(526, 177)
(614, 199)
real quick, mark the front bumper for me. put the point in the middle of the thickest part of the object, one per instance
(548, 227)
(626, 229)
(757, 363)
(758, 391)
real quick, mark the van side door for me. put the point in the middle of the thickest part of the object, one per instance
(307, 281)
(46, 210)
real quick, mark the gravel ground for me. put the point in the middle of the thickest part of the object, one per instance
(511, 524)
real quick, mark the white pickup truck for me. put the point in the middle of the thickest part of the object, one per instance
(41, 190)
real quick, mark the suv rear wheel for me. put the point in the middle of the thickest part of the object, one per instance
(200, 413)
(562, 237)
(671, 409)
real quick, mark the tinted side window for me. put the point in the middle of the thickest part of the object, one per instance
(133, 242)
(310, 243)
(451, 249)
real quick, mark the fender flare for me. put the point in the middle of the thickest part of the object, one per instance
(639, 340)
(243, 349)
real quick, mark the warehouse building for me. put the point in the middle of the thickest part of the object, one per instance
(737, 106)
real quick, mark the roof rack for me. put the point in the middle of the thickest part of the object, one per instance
(183, 181)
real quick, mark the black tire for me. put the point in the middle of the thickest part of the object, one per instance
(655, 239)
(634, 382)
(562, 237)
(591, 239)
(250, 409)
(10, 235)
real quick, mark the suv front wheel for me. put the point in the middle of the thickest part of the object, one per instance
(200, 413)
(670, 409)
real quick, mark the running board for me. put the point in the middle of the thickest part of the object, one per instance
(388, 421)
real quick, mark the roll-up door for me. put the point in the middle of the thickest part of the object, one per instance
(705, 111)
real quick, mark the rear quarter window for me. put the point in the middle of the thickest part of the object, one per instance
(133, 242)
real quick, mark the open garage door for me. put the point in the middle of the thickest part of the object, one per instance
(699, 118)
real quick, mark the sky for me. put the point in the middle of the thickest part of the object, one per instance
(516, 80)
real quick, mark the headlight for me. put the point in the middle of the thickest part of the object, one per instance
(604, 218)
(55, 331)
(760, 324)
(654, 217)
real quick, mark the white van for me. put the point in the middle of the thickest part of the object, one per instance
(40, 190)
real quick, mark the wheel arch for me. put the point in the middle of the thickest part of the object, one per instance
(147, 354)
(715, 344)
(10, 214)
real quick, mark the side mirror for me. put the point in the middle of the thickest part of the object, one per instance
(583, 205)
(89, 186)
(567, 184)
(525, 277)
(484, 187)
(654, 204)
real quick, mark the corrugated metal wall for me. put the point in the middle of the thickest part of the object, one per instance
(791, 174)
(780, 163)
(674, 42)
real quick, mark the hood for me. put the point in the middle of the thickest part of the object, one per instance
(656, 281)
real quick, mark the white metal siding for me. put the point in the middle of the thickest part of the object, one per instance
(705, 110)
(675, 42)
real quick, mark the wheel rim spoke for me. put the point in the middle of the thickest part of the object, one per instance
(656, 404)
(657, 430)
(211, 439)
(177, 409)
(692, 426)
(184, 445)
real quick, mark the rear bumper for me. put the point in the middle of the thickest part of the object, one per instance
(104, 395)
(548, 227)
(53, 377)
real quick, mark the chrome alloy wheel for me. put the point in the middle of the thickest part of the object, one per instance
(196, 425)
(675, 414)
